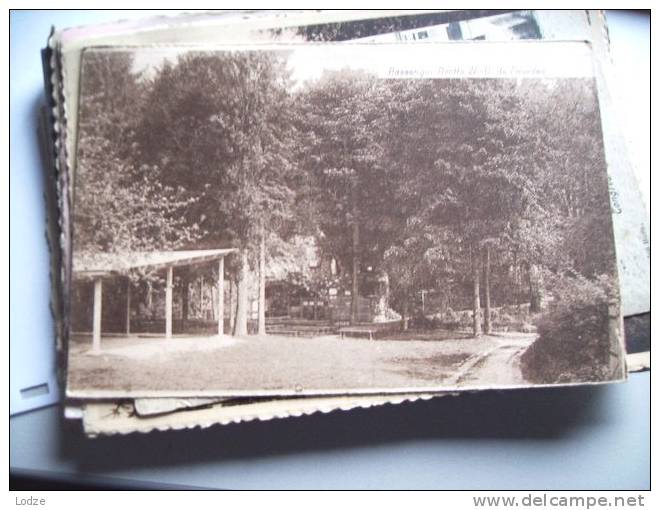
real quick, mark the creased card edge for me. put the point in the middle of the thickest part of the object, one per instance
(108, 419)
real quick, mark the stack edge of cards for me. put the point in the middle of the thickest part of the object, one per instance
(267, 215)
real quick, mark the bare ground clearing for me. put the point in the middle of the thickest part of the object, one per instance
(197, 364)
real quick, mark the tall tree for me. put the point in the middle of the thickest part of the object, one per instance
(120, 205)
(340, 122)
(462, 165)
(219, 126)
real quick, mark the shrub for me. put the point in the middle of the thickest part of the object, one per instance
(527, 328)
(509, 310)
(465, 319)
(450, 320)
(450, 315)
(574, 341)
(504, 320)
(421, 322)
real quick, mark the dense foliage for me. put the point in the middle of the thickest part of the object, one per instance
(492, 193)
(120, 202)
(573, 344)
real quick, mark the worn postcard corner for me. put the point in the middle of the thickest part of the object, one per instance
(122, 417)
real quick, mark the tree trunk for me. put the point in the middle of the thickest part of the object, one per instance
(261, 329)
(150, 299)
(128, 306)
(404, 315)
(487, 324)
(185, 301)
(232, 304)
(240, 326)
(535, 289)
(516, 277)
(476, 305)
(356, 263)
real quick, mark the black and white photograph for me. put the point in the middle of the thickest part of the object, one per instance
(332, 219)
(307, 249)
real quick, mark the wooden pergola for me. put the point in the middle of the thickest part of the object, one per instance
(100, 266)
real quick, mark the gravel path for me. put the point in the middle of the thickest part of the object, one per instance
(274, 363)
(501, 365)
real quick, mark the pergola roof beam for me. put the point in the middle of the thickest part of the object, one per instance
(106, 264)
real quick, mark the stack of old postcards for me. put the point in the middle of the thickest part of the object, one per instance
(272, 214)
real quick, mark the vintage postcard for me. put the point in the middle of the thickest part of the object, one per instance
(315, 220)
(630, 219)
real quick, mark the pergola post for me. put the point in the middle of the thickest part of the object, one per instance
(221, 296)
(128, 307)
(168, 302)
(98, 304)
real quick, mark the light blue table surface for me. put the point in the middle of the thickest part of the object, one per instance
(579, 438)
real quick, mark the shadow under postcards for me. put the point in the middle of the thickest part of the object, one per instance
(521, 414)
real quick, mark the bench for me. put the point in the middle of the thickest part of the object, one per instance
(300, 331)
(370, 329)
(358, 331)
(287, 332)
